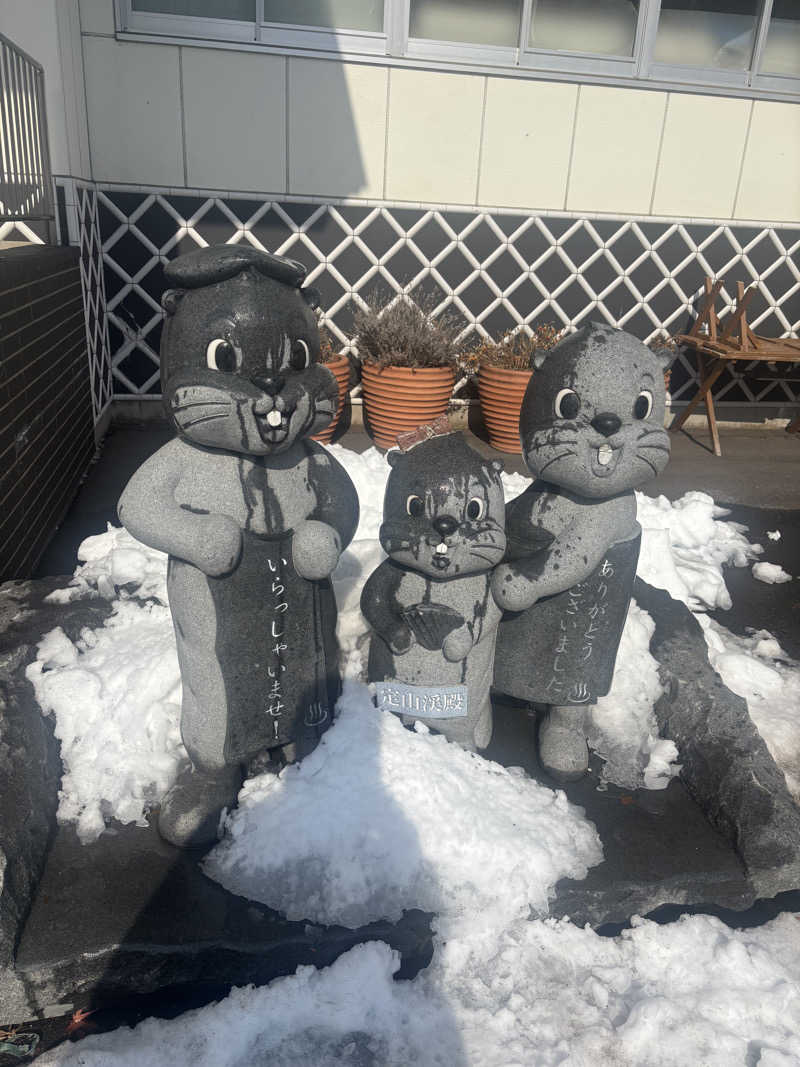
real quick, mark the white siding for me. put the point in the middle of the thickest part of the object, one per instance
(234, 119)
(434, 136)
(701, 155)
(337, 128)
(617, 136)
(133, 105)
(527, 137)
(770, 187)
(365, 130)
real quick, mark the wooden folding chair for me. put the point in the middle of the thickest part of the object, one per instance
(721, 345)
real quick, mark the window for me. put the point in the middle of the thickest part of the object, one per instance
(750, 46)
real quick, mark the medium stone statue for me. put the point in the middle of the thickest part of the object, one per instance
(254, 517)
(591, 429)
(430, 603)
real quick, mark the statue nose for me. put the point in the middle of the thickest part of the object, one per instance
(270, 386)
(445, 525)
(606, 423)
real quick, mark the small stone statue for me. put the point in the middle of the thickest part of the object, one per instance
(430, 603)
(591, 429)
(254, 517)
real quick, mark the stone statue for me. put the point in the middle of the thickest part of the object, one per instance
(254, 517)
(591, 429)
(430, 603)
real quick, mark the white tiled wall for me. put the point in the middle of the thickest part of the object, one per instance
(527, 137)
(434, 135)
(701, 155)
(770, 186)
(224, 119)
(337, 128)
(234, 107)
(133, 106)
(615, 153)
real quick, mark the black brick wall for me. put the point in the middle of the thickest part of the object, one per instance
(46, 425)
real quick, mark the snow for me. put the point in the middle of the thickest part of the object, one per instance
(393, 818)
(545, 993)
(771, 573)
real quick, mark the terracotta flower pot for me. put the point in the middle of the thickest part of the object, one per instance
(398, 399)
(340, 369)
(501, 392)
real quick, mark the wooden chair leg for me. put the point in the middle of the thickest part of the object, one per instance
(708, 379)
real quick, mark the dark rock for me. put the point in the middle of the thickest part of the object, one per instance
(30, 764)
(131, 913)
(727, 766)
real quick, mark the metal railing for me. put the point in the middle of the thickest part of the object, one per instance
(26, 182)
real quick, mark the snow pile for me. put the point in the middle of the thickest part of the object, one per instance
(692, 992)
(380, 818)
(622, 726)
(115, 695)
(757, 668)
(771, 573)
(686, 544)
(112, 561)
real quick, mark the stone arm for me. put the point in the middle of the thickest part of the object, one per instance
(381, 609)
(318, 542)
(337, 500)
(569, 559)
(148, 510)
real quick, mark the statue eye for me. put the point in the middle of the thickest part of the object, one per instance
(300, 357)
(221, 355)
(643, 404)
(415, 506)
(567, 404)
(476, 508)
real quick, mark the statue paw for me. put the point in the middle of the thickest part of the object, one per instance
(190, 811)
(316, 548)
(457, 645)
(563, 751)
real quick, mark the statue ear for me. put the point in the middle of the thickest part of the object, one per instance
(393, 455)
(170, 300)
(663, 353)
(539, 359)
(312, 296)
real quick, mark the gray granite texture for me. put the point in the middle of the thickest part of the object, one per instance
(726, 765)
(591, 429)
(253, 515)
(430, 604)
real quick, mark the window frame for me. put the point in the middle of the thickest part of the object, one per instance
(395, 45)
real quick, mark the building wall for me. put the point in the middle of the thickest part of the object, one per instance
(215, 118)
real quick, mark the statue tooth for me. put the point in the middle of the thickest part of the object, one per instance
(604, 454)
(442, 548)
(274, 418)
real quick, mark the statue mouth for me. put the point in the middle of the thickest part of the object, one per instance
(440, 559)
(274, 426)
(604, 459)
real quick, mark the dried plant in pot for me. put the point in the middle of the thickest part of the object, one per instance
(339, 366)
(504, 369)
(408, 366)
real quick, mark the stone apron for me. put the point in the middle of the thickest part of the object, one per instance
(562, 650)
(277, 649)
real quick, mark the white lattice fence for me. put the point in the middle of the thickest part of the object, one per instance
(496, 270)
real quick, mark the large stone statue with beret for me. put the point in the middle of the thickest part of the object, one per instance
(254, 517)
(592, 431)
